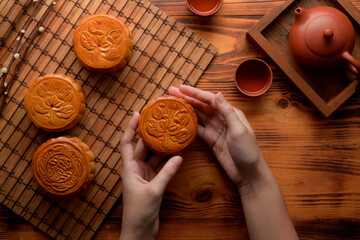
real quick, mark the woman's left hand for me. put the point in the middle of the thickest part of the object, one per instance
(144, 183)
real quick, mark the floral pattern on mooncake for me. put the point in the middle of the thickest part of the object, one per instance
(168, 125)
(102, 43)
(55, 102)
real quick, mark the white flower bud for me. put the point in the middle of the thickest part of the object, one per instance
(22, 31)
(16, 55)
(4, 70)
(18, 39)
(5, 84)
(41, 29)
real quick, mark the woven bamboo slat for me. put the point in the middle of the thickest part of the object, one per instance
(165, 54)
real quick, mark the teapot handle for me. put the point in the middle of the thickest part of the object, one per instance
(354, 64)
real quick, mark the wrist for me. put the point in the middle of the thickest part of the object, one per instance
(260, 179)
(134, 236)
(134, 228)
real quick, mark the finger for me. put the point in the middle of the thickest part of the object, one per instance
(162, 162)
(141, 150)
(206, 109)
(173, 91)
(203, 118)
(202, 96)
(227, 111)
(214, 120)
(195, 103)
(210, 135)
(243, 118)
(167, 173)
(127, 150)
(201, 132)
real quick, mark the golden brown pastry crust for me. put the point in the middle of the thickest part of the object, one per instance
(63, 166)
(55, 102)
(102, 43)
(168, 125)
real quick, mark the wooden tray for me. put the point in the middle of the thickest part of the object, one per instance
(327, 91)
(165, 53)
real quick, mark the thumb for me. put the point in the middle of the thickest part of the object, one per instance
(167, 172)
(228, 112)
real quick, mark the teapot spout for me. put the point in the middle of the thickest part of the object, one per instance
(300, 15)
(355, 63)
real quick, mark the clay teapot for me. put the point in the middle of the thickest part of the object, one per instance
(322, 38)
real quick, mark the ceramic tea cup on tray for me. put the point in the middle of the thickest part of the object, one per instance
(204, 7)
(253, 77)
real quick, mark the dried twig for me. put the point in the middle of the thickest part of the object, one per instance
(6, 86)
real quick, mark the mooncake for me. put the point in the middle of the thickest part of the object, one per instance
(63, 166)
(168, 125)
(55, 103)
(102, 43)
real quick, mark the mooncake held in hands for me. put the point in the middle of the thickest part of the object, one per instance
(102, 43)
(55, 103)
(168, 125)
(63, 166)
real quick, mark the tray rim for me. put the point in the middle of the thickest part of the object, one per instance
(255, 34)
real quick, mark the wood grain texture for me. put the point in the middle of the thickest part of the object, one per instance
(315, 160)
(165, 53)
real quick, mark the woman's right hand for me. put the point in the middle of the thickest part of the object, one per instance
(227, 133)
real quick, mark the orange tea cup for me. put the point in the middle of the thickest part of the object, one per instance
(204, 7)
(253, 77)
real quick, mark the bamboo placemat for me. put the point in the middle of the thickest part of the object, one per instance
(165, 53)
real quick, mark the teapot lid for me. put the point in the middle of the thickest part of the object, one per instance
(326, 35)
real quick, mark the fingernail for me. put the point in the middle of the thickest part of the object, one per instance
(136, 114)
(177, 160)
(220, 97)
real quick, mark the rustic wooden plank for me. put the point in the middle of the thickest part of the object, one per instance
(315, 160)
(154, 37)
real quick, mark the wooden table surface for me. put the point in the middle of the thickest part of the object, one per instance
(315, 160)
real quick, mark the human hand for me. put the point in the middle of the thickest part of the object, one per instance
(227, 133)
(144, 183)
